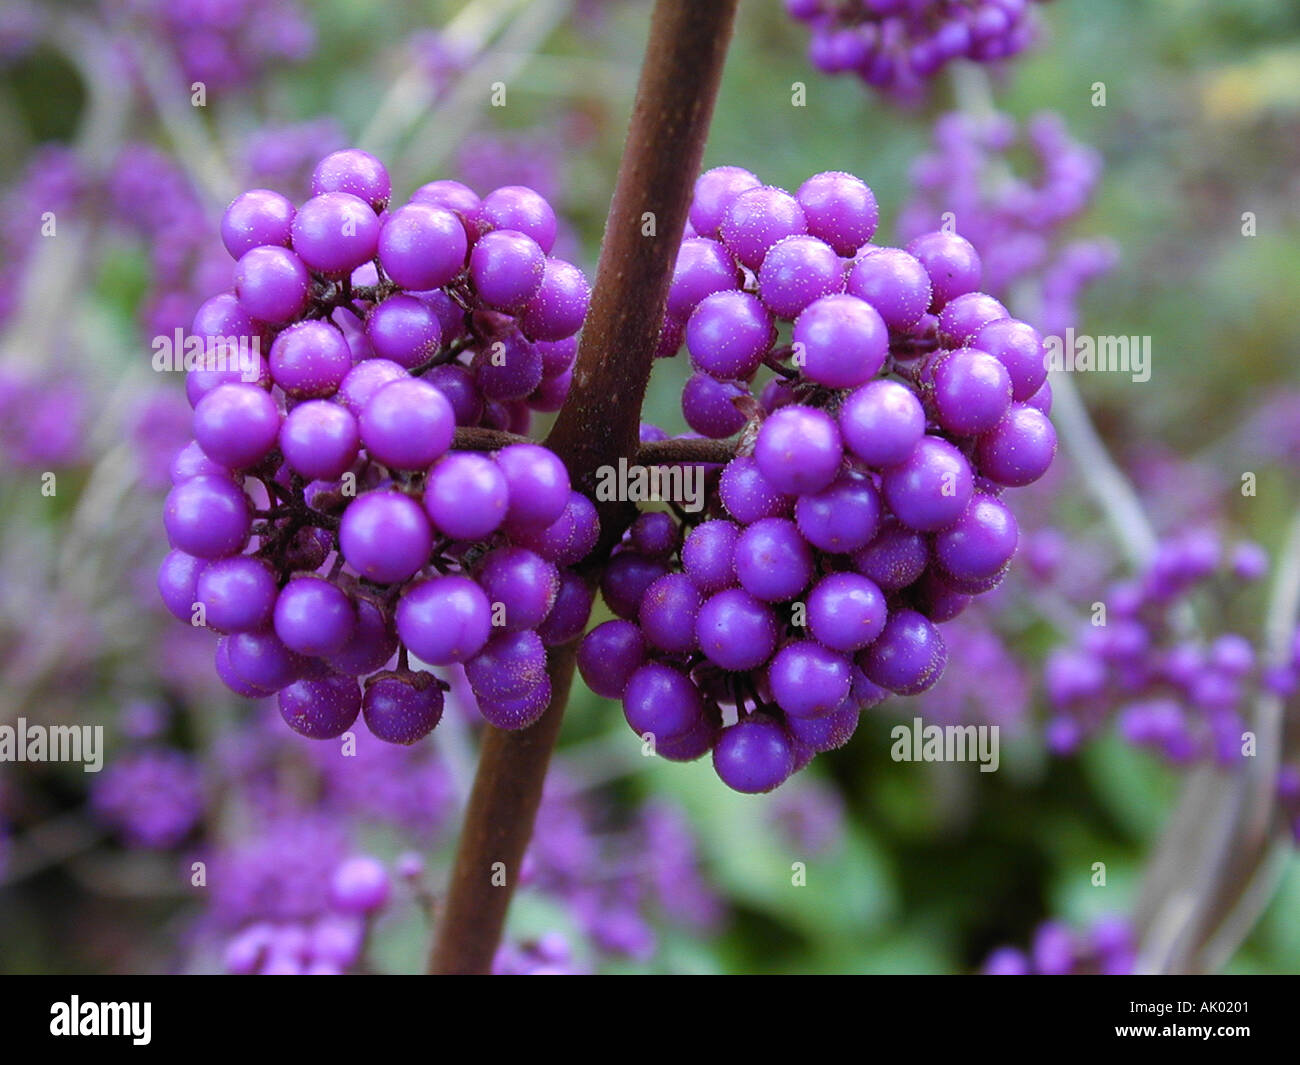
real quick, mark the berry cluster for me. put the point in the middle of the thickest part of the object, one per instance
(898, 45)
(547, 955)
(1167, 688)
(225, 45)
(389, 330)
(324, 939)
(1106, 947)
(152, 797)
(863, 505)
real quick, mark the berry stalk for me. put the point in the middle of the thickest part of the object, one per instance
(597, 426)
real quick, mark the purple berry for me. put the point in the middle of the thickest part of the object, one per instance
(840, 209)
(314, 617)
(335, 232)
(894, 283)
(507, 268)
(466, 495)
(842, 517)
(807, 680)
(715, 191)
(748, 495)
(538, 484)
(509, 666)
(980, 542)
(846, 611)
(519, 208)
(560, 305)
(754, 755)
(952, 263)
(703, 267)
(444, 620)
(262, 660)
(422, 246)
(404, 329)
(799, 450)
(931, 487)
(735, 630)
(520, 585)
(757, 219)
(321, 708)
(708, 408)
(309, 360)
(840, 342)
(972, 391)
(402, 707)
(385, 537)
(728, 334)
(238, 594)
(1019, 449)
(320, 440)
(609, 655)
(178, 577)
(662, 702)
(353, 171)
(236, 425)
(668, 612)
(407, 424)
(360, 885)
(272, 284)
(799, 270)
(773, 562)
(207, 517)
(962, 318)
(909, 655)
(367, 378)
(256, 218)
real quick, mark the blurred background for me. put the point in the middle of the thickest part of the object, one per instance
(210, 818)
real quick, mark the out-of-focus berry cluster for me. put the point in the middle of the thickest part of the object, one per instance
(1016, 222)
(898, 46)
(1143, 666)
(225, 44)
(1107, 947)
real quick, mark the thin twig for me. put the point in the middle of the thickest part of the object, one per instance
(410, 94)
(1109, 487)
(448, 123)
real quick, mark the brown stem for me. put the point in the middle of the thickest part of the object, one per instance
(498, 825)
(678, 452)
(597, 426)
(476, 438)
(665, 145)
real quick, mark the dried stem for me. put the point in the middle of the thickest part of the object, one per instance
(1218, 864)
(596, 427)
(1110, 488)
